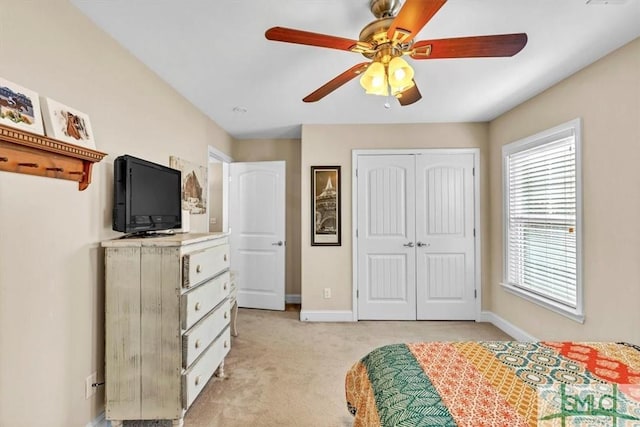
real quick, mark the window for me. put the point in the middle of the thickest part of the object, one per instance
(542, 216)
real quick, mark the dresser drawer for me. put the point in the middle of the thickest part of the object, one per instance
(194, 379)
(202, 265)
(199, 301)
(198, 338)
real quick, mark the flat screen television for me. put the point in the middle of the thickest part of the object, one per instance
(146, 196)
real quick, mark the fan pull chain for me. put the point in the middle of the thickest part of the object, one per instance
(387, 102)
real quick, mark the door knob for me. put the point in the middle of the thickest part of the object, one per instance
(279, 243)
(409, 245)
(422, 245)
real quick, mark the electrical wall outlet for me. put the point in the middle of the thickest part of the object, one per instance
(89, 389)
(213, 221)
(327, 292)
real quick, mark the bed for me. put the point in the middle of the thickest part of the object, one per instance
(496, 383)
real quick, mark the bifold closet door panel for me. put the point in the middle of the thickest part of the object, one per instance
(445, 243)
(386, 230)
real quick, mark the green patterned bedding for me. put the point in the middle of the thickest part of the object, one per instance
(496, 383)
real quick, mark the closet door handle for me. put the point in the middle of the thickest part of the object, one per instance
(423, 245)
(408, 245)
(280, 243)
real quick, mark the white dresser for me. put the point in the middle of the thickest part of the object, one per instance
(167, 315)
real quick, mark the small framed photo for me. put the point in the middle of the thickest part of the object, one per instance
(67, 124)
(325, 206)
(20, 108)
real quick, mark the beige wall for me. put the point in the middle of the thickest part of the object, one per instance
(606, 95)
(331, 266)
(51, 265)
(289, 151)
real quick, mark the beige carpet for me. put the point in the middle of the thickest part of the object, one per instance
(283, 372)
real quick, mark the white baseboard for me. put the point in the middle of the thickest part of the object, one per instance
(506, 327)
(292, 299)
(99, 421)
(326, 316)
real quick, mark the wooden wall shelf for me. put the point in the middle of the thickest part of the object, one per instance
(25, 152)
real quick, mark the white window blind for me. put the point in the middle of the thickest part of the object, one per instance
(541, 209)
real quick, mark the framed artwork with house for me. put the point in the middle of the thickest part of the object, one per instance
(194, 185)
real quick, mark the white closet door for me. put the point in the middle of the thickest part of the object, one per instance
(445, 242)
(386, 230)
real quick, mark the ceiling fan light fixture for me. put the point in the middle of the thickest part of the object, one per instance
(374, 80)
(400, 75)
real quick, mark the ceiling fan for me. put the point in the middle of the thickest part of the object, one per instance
(390, 37)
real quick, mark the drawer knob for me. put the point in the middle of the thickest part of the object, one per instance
(197, 343)
(197, 381)
(224, 286)
(226, 315)
(225, 257)
(198, 268)
(226, 344)
(197, 306)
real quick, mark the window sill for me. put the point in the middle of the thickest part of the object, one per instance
(573, 314)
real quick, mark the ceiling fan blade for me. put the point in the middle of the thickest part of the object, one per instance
(290, 35)
(335, 83)
(410, 95)
(412, 17)
(470, 47)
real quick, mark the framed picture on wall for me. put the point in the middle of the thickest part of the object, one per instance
(20, 108)
(325, 206)
(67, 124)
(195, 185)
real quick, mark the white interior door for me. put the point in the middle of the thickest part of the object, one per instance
(445, 243)
(386, 230)
(257, 227)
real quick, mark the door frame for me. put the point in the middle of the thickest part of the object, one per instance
(216, 156)
(476, 213)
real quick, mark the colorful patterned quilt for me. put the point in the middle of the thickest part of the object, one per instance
(496, 383)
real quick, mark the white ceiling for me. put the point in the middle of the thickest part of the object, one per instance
(215, 54)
